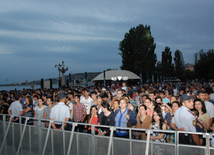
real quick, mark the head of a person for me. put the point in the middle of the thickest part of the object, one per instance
(93, 109)
(86, 92)
(130, 96)
(28, 100)
(142, 110)
(152, 96)
(93, 95)
(162, 94)
(201, 95)
(147, 102)
(71, 96)
(175, 106)
(18, 96)
(187, 101)
(44, 97)
(77, 98)
(119, 94)
(158, 99)
(49, 100)
(181, 92)
(167, 109)
(99, 101)
(195, 113)
(105, 96)
(124, 84)
(35, 97)
(116, 104)
(158, 117)
(40, 101)
(123, 103)
(173, 98)
(199, 105)
(212, 126)
(105, 107)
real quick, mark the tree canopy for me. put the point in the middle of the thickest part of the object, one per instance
(138, 50)
(166, 64)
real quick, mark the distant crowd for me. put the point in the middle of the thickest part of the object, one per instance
(167, 106)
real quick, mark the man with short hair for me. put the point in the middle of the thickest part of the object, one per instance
(79, 112)
(184, 120)
(16, 108)
(47, 110)
(118, 97)
(59, 113)
(152, 96)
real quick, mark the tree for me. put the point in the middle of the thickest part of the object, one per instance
(167, 66)
(204, 69)
(179, 68)
(138, 50)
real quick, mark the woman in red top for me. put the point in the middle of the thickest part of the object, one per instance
(93, 118)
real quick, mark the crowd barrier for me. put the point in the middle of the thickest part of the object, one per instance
(18, 138)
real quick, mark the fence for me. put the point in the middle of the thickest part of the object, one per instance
(18, 138)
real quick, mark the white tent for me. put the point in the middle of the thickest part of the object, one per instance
(117, 75)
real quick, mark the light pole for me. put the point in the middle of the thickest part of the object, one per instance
(62, 70)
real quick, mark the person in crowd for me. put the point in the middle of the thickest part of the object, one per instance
(157, 124)
(209, 106)
(184, 120)
(71, 97)
(199, 127)
(119, 96)
(70, 105)
(35, 101)
(122, 117)
(204, 117)
(113, 92)
(152, 95)
(44, 97)
(93, 118)
(143, 121)
(162, 95)
(131, 100)
(87, 101)
(99, 105)
(124, 87)
(15, 108)
(39, 112)
(116, 105)
(173, 98)
(137, 98)
(28, 109)
(79, 113)
(207, 97)
(47, 110)
(5, 105)
(170, 138)
(212, 138)
(106, 117)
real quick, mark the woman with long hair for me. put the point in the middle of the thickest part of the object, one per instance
(28, 109)
(39, 112)
(204, 117)
(93, 118)
(143, 121)
(106, 117)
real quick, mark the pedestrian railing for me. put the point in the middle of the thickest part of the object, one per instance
(21, 138)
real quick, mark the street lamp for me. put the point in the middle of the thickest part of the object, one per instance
(62, 70)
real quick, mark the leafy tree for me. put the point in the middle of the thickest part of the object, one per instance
(204, 69)
(179, 68)
(167, 66)
(138, 50)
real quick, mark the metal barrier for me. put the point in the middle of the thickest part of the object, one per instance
(18, 138)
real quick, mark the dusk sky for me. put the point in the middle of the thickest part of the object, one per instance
(35, 35)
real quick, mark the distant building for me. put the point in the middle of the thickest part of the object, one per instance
(196, 57)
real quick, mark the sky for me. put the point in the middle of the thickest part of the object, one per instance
(35, 35)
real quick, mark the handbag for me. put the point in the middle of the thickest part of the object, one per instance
(129, 124)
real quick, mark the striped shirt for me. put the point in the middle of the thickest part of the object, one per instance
(78, 112)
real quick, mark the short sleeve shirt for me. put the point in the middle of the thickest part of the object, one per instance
(16, 108)
(184, 118)
(78, 110)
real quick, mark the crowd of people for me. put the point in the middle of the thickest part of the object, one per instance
(167, 106)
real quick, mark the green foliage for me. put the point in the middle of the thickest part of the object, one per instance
(167, 66)
(204, 69)
(138, 50)
(179, 69)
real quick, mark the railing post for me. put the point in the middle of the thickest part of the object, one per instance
(177, 145)
(207, 150)
(63, 137)
(148, 131)
(22, 136)
(130, 140)
(92, 139)
(46, 139)
(110, 140)
(5, 135)
(71, 139)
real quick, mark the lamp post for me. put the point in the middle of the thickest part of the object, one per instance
(62, 69)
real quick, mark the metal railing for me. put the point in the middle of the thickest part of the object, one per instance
(19, 138)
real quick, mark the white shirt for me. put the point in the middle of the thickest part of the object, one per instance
(70, 105)
(184, 118)
(60, 112)
(88, 103)
(16, 108)
(209, 108)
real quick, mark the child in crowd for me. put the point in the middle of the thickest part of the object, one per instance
(199, 127)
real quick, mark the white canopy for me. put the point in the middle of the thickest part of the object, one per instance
(117, 75)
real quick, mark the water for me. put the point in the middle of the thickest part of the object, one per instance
(21, 87)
